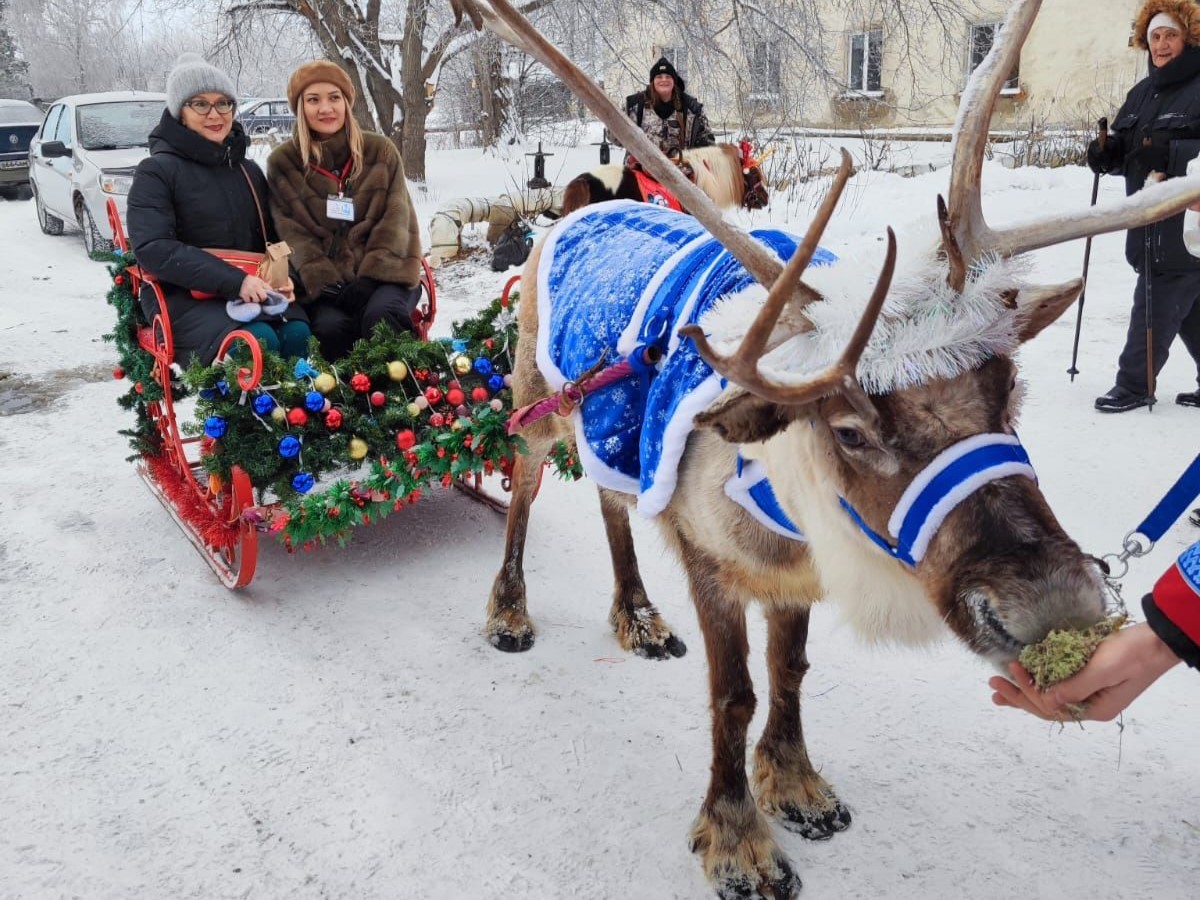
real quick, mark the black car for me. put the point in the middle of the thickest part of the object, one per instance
(19, 122)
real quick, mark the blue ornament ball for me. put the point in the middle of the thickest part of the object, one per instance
(263, 404)
(223, 387)
(302, 482)
(315, 401)
(495, 383)
(215, 427)
(208, 393)
(289, 447)
(483, 366)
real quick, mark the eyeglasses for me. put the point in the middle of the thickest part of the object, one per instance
(202, 106)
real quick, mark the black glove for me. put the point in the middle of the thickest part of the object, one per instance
(1149, 158)
(354, 296)
(1103, 159)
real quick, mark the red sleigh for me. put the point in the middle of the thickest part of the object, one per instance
(209, 510)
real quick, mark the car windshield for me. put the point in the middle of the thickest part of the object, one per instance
(20, 114)
(112, 126)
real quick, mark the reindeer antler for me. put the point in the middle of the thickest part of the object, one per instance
(742, 367)
(966, 237)
(508, 24)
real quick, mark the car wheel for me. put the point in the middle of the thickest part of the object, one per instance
(24, 192)
(93, 241)
(49, 224)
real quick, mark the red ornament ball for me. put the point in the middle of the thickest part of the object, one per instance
(489, 343)
(479, 394)
(378, 398)
(452, 384)
(333, 419)
(433, 395)
(118, 373)
(119, 280)
(433, 377)
(139, 388)
(455, 397)
(406, 439)
(436, 420)
(360, 382)
(297, 416)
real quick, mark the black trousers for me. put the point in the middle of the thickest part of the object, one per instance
(1175, 308)
(337, 329)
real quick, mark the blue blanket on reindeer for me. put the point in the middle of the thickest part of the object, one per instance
(620, 276)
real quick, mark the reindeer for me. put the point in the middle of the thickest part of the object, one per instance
(725, 172)
(864, 448)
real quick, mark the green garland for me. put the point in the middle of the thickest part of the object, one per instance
(413, 412)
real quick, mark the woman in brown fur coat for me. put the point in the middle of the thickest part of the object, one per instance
(340, 201)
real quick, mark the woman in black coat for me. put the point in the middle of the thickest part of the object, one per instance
(196, 190)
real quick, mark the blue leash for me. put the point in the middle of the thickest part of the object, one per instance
(1173, 504)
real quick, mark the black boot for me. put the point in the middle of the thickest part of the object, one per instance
(1192, 399)
(1120, 400)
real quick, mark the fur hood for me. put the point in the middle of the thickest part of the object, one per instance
(1186, 12)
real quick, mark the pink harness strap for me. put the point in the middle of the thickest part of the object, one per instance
(572, 394)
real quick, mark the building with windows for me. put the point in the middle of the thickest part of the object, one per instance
(857, 65)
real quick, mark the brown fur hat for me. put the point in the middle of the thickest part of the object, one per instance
(1186, 12)
(311, 73)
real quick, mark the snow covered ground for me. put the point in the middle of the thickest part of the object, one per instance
(340, 729)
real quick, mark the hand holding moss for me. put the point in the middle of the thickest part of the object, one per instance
(1124, 665)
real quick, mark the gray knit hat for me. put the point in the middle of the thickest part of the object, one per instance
(191, 76)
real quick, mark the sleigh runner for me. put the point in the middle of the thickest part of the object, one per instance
(416, 413)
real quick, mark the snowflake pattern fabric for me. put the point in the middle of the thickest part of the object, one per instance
(614, 279)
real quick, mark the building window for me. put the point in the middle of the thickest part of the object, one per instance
(678, 57)
(980, 44)
(866, 57)
(765, 70)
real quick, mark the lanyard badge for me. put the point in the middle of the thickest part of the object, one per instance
(339, 208)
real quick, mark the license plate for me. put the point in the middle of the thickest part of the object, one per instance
(13, 163)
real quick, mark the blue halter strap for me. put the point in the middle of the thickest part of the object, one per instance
(951, 477)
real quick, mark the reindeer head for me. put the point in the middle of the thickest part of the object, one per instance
(858, 442)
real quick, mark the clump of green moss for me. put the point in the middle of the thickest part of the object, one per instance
(1062, 653)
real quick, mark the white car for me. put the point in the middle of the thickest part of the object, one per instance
(85, 152)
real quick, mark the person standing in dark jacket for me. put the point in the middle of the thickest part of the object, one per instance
(196, 190)
(673, 119)
(1154, 136)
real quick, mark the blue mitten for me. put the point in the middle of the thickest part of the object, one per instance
(276, 304)
(241, 311)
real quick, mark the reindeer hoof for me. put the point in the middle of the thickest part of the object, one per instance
(815, 825)
(512, 643)
(782, 883)
(671, 647)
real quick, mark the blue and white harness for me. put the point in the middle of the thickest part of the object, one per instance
(662, 271)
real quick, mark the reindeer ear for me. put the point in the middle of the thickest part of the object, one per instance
(1038, 307)
(747, 419)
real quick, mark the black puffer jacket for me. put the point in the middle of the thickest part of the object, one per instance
(667, 127)
(192, 193)
(1164, 107)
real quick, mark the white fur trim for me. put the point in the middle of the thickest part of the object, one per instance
(675, 436)
(926, 331)
(631, 336)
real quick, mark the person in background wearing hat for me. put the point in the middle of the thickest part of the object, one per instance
(195, 190)
(342, 204)
(673, 119)
(1154, 136)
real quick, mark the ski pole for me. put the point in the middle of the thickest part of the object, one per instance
(1087, 257)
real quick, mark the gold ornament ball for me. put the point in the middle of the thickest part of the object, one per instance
(462, 365)
(397, 370)
(413, 410)
(358, 448)
(324, 382)
(279, 414)
(456, 425)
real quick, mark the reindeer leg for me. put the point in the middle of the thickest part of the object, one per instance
(785, 781)
(634, 618)
(733, 839)
(509, 627)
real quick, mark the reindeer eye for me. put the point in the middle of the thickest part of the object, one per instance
(850, 438)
